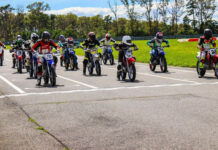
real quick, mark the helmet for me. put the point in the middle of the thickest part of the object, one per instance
(19, 37)
(127, 39)
(159, 35)
(91, 35)
(45, 35)
(62, 38)
(34, 37)
(70, 40)
(108, 36)
(208, 33)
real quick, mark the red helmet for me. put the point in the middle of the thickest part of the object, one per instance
(91, 35)
(108, 36)
(159, 35)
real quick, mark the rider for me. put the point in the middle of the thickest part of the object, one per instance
(125, 45)
(156, 42)
(30, 43)
(62, 43)
(71, 44)
(45, 46)
(1, 44)
(18, 44)
(107, 40)
(89, 43)
(205, 41)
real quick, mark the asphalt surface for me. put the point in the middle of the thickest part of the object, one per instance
(159, 111)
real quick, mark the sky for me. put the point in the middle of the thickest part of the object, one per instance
(79, 7)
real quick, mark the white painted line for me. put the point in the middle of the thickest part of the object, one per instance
(107, 89)
(147, 74)
(81, 83)
(12, 85)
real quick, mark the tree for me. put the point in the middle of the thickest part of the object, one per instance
(107, 22)
(176, 12)
(191, 7)
(130, 7)
(37, 19)
(147, 4)
(5, 16)
(206, 10)
(114, 10)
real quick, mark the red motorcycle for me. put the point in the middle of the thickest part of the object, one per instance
(128, 66)
(211, 62)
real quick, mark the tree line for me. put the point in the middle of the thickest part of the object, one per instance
(159, 15)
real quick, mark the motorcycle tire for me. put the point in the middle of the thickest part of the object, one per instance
(163, 64)
(90, 69)
(216, 70)
(201, 71)
(132, 72)
(111, 60)
(98, 68)
(152, 66)
(53, 77)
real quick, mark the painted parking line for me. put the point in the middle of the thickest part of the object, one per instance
(12, 85)
(107, 89)
(183, 80)
(78, 82)
(147, 74)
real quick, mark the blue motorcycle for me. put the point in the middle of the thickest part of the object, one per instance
(108, 54)
(33, 65)
(70, 59)
(158, 58)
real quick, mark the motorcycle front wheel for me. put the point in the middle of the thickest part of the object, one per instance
(53, 77)
(111, 59)
(98, 67)
(132, 72)
(90, 68)
(216, 70)
(201, 71)
(163, 64)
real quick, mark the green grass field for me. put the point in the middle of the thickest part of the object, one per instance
(181, 54)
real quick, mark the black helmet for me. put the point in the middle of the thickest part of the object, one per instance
(45, 35)
(91, 35)
(159, 35)
(34, 37)
(70, 40)
(208, 33)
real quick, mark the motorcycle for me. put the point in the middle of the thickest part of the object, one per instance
(108, 54)
(71, 59)
(32, 65)
(49, 73)
(158, 59)
(128, 66)
(211, 62)
(19, 59)
(1, 56)
(93, 61)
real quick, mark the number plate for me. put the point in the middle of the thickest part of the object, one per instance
(212, 52)
(71, 50)
(19, 52)
(49, 57)
(44, 51)
(128, 54)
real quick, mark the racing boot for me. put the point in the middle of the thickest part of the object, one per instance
(119, 70)
(85, 62)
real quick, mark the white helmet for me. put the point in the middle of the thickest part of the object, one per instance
(127, 39)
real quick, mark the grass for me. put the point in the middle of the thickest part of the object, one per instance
(181, 54)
